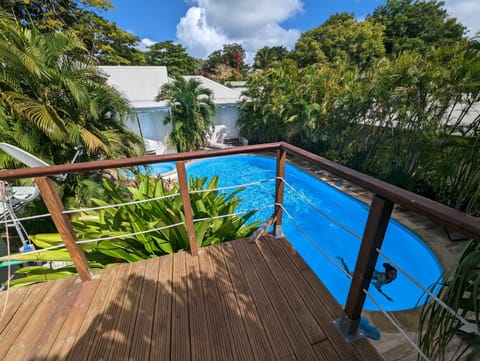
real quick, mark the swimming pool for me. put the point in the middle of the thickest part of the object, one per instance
(400, 244)
(161, 168)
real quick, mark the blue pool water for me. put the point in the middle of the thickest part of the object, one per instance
(161, 168)
(400, 244)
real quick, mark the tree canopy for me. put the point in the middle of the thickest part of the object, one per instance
(341, 38)
(103, 39)
(226, 64)
(173, 56)
(417, 25)
(265, 57)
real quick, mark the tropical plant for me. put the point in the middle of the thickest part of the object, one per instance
(192, 112)
(50, 89)
(213, 211)
(460, 291)
(103, 39)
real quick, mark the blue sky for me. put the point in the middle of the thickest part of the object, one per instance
(203, 26)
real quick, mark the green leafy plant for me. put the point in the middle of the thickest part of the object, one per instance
(163, 218)
(461, 292)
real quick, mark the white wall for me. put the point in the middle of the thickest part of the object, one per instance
(228, 115)
(149, 125)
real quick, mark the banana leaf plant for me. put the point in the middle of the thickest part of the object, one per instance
(461, 292)
(212, 211)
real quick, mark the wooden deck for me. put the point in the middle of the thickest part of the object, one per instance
(235, 301)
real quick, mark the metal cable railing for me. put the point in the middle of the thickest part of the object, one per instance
(132, 234)
(369, 295)
(384, 197)
(427, 291)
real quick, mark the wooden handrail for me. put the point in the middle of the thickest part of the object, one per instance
(437, 212)
(187, 207)
(372, 239)
(446, 216)
(64, 227)
(279, 190)
(8, 174)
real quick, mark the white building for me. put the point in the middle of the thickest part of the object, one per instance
(141, 84)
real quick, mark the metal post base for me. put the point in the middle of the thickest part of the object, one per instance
(349, 329)
(277, 232)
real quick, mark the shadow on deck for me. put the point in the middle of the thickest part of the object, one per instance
(235, 301)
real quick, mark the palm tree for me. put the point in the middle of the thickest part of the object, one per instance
(50, 89)
(192, 112)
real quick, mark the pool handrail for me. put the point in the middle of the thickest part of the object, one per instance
(385, 195)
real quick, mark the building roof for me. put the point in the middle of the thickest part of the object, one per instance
(141, 84)
(221, 93)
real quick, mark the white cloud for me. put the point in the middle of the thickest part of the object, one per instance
(145, 43)
(467, 12)
(252, 23)
(199, 37)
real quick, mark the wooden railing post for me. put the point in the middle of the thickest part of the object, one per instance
(187, 207)
(279, 189)
(64, 227)
(377, 222)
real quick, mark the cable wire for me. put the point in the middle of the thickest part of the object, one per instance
(397, 326)
(120, 204)
(232, 214)
(7, 236)
(231, 187)
(331, 219)
(313, 242)
(98, 239)
(427, 291)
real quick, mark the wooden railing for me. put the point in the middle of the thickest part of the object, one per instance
(385, 196)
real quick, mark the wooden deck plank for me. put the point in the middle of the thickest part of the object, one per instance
(25, 340)
(301, 306)
(358, 350)
(257, 334)
(69, 331)
(161, 335)
(215, 314)
(326, 351)
(106, 340)
(228, 301)
(127, 316)
(236, 301)
(281, 339)
(180, 344)
(12, 300)
(20, 319)
(142, 338)
(278, 338)
(200, 334)
(85, 340)
(48, 332)
(277, 292)
(320, 311)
